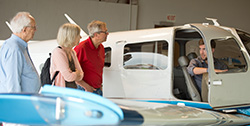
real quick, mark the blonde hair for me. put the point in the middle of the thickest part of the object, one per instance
(95, 26)
(67, 34)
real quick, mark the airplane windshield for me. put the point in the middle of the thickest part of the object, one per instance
(228, 52)
(245, 38)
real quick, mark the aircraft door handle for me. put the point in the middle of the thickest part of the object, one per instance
(217, 82)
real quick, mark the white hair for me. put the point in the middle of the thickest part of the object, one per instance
(19, 21)
(95, 26)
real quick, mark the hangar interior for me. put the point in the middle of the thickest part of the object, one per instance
(123, 15)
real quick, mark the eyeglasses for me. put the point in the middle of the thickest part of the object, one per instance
(34, 27)
(105, 32)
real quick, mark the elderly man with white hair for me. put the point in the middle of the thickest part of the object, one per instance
(17, 71)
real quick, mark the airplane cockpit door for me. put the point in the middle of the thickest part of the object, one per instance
(226, 89)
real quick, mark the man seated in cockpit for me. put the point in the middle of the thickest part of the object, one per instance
(198, 66)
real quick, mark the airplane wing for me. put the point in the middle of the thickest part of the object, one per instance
(65, 106)
(145, 113)
(83, 34)
(53, 108)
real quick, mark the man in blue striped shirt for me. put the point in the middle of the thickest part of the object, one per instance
(17, 71)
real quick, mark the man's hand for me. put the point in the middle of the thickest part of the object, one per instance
(89, 88)
(220, 71)
(86, 86)
(199, 70)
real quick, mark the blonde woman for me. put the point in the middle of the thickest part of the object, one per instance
(63, 58)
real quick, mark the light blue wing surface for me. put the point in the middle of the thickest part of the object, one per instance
(69, 92)
(16, 108)
(59, 106)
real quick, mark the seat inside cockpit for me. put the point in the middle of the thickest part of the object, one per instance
(185, 49)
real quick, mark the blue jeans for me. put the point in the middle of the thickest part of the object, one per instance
(98, 90)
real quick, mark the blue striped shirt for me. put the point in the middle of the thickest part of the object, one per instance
(17, 71)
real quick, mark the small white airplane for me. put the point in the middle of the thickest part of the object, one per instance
(144, 64)
(145, 74)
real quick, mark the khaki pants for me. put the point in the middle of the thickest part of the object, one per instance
(204, 87)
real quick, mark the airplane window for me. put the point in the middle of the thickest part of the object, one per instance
(229, 52)
(147, 55)
(107, 57)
